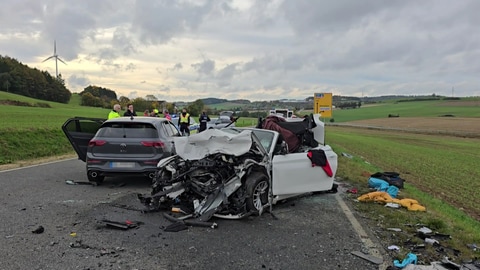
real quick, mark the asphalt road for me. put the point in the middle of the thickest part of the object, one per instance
(309, 232)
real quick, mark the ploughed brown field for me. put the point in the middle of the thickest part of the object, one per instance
(469, 127)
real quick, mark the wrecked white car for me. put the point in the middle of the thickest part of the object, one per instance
(233, 173)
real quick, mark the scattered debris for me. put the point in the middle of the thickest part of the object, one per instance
(352, 190)
(392, 205)
(431, 241)
(424, 230)
(39, 230)
(473, 246)
(368, 257)
(125, 225)
(72, 182)
(449, 263)
(176, 227)
(394, 229)
(185, 222)
(79, 244)
(347, 155)
(409, 259)
(393, 247)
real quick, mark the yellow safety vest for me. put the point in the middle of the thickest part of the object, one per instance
(113, 114)
(184, 119)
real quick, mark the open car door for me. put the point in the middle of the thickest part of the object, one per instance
(79, 131)
(293, 173)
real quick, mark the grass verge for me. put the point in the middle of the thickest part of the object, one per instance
(440, 216)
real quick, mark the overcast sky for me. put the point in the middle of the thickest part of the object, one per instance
(247, 49)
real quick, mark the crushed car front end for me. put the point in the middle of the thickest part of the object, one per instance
(219, 173)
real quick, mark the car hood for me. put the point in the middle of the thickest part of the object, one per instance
(212, 141)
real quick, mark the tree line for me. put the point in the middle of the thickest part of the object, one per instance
(20, 79)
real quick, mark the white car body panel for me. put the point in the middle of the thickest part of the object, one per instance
(293, 173)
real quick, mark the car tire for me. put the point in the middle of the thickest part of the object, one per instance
(257, 187)
(95, 177)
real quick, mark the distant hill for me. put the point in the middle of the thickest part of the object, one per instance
(210, 101)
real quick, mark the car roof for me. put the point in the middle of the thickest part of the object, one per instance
(137, 119)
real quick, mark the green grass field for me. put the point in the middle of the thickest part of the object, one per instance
(409, 109)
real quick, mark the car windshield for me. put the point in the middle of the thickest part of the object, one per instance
(127, 130)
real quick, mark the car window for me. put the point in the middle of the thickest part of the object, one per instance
(225, 120)
(265, 138)
(171, 129)
(128, 130)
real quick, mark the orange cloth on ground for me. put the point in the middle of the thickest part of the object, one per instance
(384, 197)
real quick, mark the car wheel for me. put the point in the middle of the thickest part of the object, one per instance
(94, 176)
(257, 188)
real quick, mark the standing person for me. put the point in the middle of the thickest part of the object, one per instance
(203, 121)
(146, 113)
(130, 111)
(184, 122)
(114, 113)
(167, 115)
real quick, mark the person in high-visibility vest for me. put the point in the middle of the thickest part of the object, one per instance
(114, 113)
(184, 122)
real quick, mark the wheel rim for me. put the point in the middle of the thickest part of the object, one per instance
(259, 194)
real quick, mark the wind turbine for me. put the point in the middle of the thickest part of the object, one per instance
(55, 55)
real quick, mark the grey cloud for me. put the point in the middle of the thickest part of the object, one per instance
(131, 67)
(78, 83)
(123, 42)
(206, 67)
(227, 73)
(158, 21)
(177, 66)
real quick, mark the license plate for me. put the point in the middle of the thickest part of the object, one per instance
(122, 164)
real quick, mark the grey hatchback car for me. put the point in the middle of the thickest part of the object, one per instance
(121, 146)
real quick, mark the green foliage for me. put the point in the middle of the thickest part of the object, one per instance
(23, 80)
(95, 96)
(196, 107)
(17, 144)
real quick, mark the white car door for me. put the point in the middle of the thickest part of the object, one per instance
(293, 173)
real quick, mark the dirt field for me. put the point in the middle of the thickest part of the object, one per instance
(468, 127)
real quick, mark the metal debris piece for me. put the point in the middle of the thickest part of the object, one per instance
(424, 230)
(124, 225)
(368, 257)
(392, 205)
(72, 182)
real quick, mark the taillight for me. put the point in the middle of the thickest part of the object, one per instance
(157, 144)
(96, 143)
